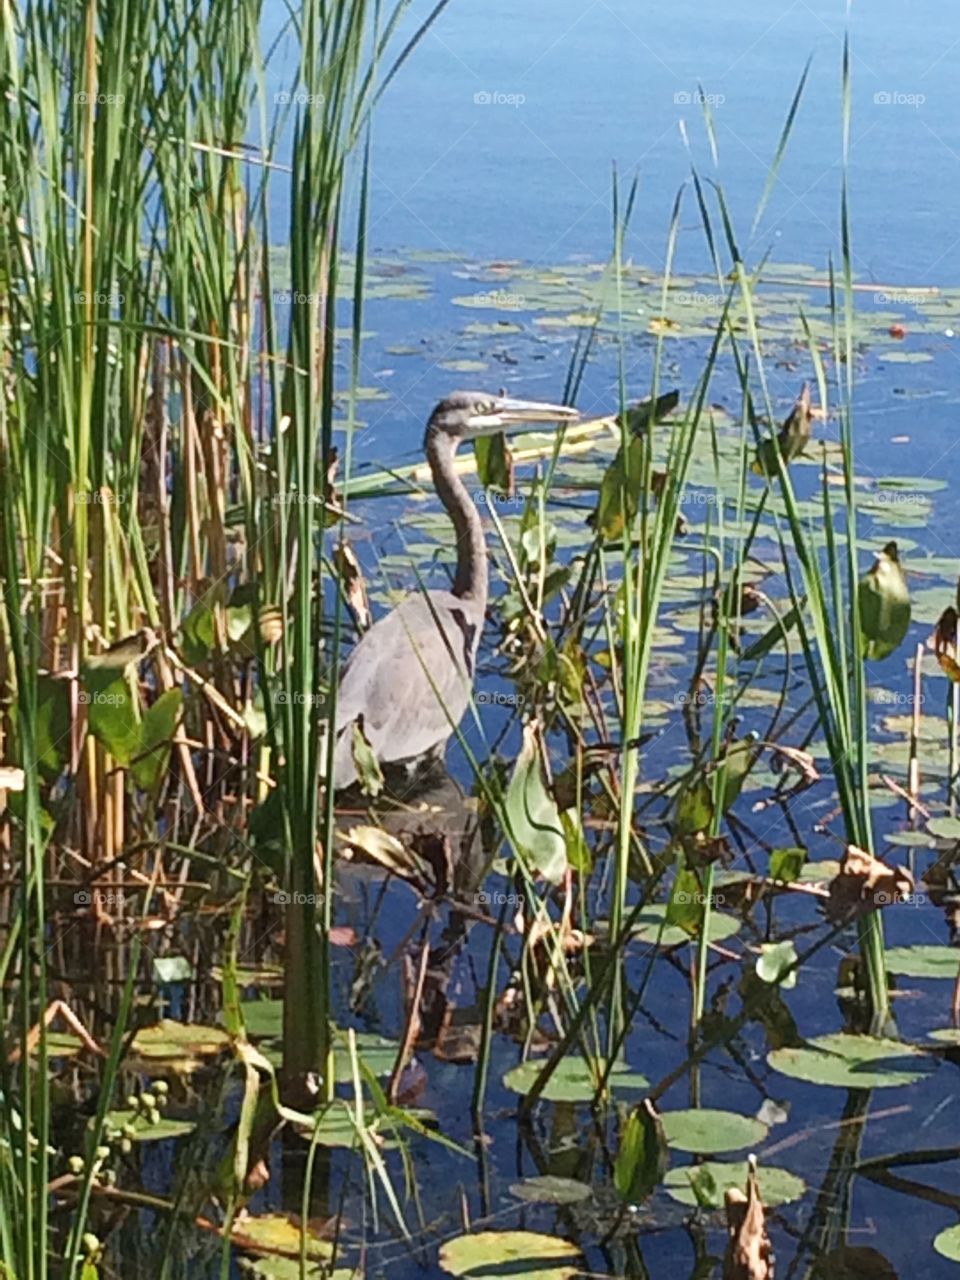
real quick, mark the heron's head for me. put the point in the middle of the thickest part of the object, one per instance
(467, 414)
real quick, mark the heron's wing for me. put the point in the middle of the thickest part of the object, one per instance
(409, 677)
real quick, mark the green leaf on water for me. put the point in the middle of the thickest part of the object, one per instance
(706, 1131)
(853, 1062)
(944, 828)
(526, 1255)
(776, 958)
(706, 1184)
(947, 1243)
(549, 1189)
(141, 1128)
(651, 926)
(573, 1080)
(925, 960)
(642, 1158)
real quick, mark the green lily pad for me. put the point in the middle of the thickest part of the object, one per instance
(178, 1043)
(853, 1062)
(143, 1130)
(289, 1269)
(495, 1255)
(925, 960)
(277, 1233)
(947, 1243)
(944, 828)
(651, 927)
(715, 1177)
(706, 1131)
(572, 1081)
(547, 1189)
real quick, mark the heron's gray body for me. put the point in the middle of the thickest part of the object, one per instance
(410, 676)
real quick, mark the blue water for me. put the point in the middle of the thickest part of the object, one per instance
(614, 82)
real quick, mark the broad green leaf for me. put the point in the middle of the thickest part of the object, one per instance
(494, 464)
(573, 1080)
(947, 1243)
(112, 714)
(787, 864)
(708, 1183)
(651, 927)
(705, 1131)
(533, 820)
(884, 605)
(924, 960)
(525, 1255)
(620, 492)
(548, 1189)
(157, 728)
(141, 1130)
(776, 958)
(944, 828)
(642, 1158)
(853, 1062)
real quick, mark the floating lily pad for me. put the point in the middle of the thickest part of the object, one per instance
(715, 1177)
(706, 1131)
(494, 1255)
(853, 1062)
(925, 960)
(547, 1189)
(277, 1233)
(944, 828)
(947, 1243)
(178, 1044)
(947, 1035)
(289, 1269)
(651, 927)
(141, 1128)
(572, 1081)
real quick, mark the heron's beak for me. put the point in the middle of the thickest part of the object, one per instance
(516, 413)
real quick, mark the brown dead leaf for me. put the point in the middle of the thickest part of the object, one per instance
(801, 760)
(749, 1253)
(943, 642)
(354, 587)
(864, 880)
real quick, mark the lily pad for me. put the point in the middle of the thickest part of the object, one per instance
(277, 1233)
(141, 1130)
(706, 1131)
(179, 1044)
(495, 1255)
(853, 1062)
(944, 828)
(925, 960)
(715, 1177)
(547, 1189)
(651, 927)
(947, 1243)
(572, 1081)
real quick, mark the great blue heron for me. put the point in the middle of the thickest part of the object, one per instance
(411, 673)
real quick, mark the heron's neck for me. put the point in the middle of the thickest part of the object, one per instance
(471, 578)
